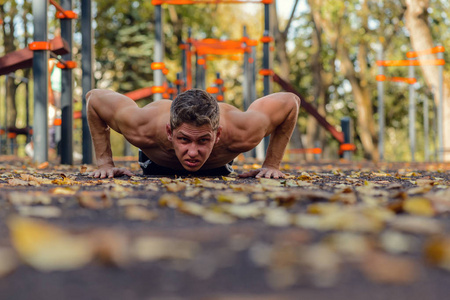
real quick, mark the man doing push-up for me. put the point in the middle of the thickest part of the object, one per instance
(193, 134)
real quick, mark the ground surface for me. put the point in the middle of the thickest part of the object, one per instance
(328, 231)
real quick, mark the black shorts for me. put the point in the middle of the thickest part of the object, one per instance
(150, 168)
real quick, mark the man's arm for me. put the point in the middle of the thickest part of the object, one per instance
(105, 110)
(274, 115)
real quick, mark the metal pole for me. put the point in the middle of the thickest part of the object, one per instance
(40, 74)
(347, 129)
(246, 85)
(6, 114)
(266, 61)
(189, 61)
(87, 61)
(27, 113)
(158, 50)
(380, 87)
(426, 129)
(440, 55)
(67, 91)
(253, 74)
(412, 115)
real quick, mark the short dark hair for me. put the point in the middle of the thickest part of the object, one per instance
(196, 107)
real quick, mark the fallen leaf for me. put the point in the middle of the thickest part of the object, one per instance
(63, 191)
(47, 247)
(233, 198)
(19, 198)
(139, 213)
(278, 217)
(170, 200)
(384, 268)
(419, 206)
(132, 201)
(157, 248)
(93, 201)
(39, 211)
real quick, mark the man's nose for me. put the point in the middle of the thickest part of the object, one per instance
(193, 150)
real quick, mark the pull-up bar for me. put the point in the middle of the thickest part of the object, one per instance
(188, 2)
(406, 63)
(62, 13)
(414, 54)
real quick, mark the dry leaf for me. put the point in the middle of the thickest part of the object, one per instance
(192, 208)
(43, 165)
(383, 268)
(170, 200)
(39, 211)
(90, 200)
(416, 225)
(139, 213)
(132, 201)
(19, 182)
(48, 248)
(233, 198)
(419, 206)
(278, 217)
(156, 248)
(19, 198)
(63, 191)
(217, 218)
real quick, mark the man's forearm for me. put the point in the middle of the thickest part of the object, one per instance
(100, 133)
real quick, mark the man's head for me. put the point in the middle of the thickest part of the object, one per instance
(194, 127)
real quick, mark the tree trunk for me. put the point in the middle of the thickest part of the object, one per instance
(8, 43)
(421, 39)
(282, 58)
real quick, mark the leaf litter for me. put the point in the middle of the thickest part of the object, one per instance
(372, 218)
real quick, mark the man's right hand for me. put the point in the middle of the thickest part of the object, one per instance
(110, 172)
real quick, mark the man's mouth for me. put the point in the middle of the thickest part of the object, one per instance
(192, 163)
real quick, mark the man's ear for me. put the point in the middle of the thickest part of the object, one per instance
(169, 132)
(219, 132)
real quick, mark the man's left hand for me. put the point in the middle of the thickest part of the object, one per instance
(264, 172)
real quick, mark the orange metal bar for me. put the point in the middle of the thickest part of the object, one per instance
(347, 147)
(60, 9)
(68, 14)
(219, 98)
(305, 150)
(40, 46)
(188, 2)
(265, 72)
(157, 65)
(212, 90)
(158, 89)
(434, 50)
(69, 64)
(404, 63)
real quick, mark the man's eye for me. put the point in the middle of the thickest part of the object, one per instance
(204, 140)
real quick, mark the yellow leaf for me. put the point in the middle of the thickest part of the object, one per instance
(233, 198)
(48, 248)
(88, 200)
(419, 206)
(134, 212)
(63, 191)
(170, 200)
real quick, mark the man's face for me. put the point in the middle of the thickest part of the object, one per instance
(193, 144)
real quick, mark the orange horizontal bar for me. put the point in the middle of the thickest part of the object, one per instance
(347, 147)
(178, 82)
(201, 61)
(12, 135)
(157, 65)
(266, 72)
(40, 46)
(266, 39)
(158, 89)
(218, 81)
(434, 50)
(69, 64)
(380, 77)
(57, 122)
(67, 14)
(188, 2)
(404, 63)
(219, 98)
(212, 90)
(409, 80)
(165, 71)
(305, 150)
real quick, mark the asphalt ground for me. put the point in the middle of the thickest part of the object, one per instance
(331, 230)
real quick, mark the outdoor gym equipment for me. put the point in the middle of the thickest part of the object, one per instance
(411, 63)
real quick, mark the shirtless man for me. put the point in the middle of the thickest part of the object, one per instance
(192, 134)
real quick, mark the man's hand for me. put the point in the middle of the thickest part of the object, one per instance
(265, 172)
(110, 172)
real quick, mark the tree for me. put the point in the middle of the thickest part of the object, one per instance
(421, 39)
